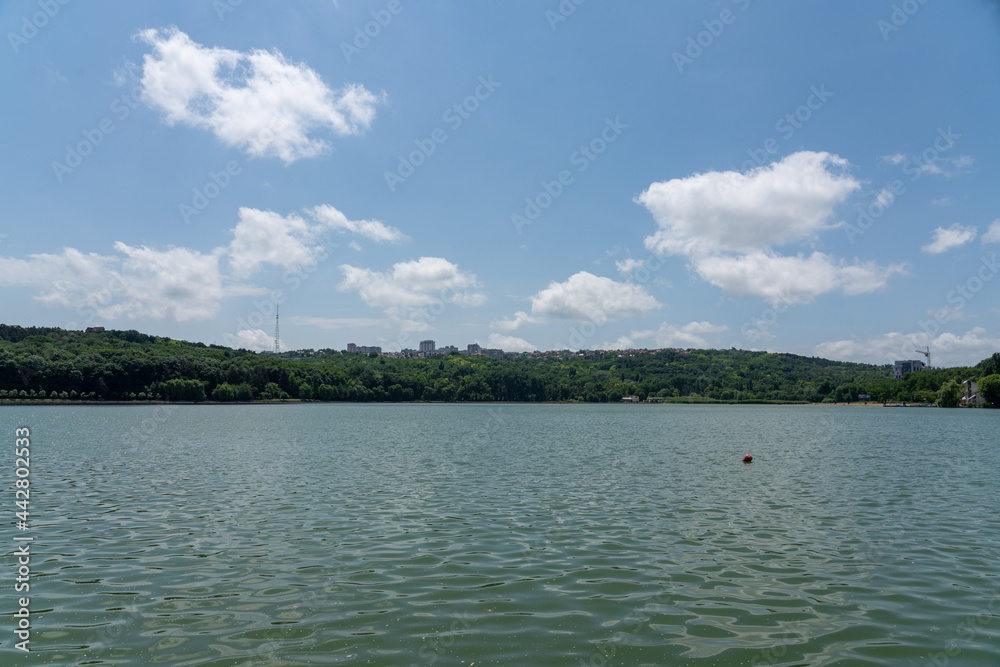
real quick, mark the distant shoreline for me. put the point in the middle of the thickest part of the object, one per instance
(63, 403)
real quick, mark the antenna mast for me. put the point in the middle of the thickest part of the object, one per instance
(277, 343)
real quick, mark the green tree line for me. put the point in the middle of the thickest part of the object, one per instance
(49, 363)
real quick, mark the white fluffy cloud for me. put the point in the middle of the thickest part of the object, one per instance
(258, 101)
(689, 335)
(791, 280)
(182, 284)
(668, 335)
(520, 318)
(948, 349)
(509, 343)
(627, 266)
(407, 288)
(946, 239)
(992, 234)
(266, 237)
(177, 283)
(585, 296)
(251, 339)
(788, 201)
(370, 229)
(728, 223)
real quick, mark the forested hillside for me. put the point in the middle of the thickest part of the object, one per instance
(44, 363)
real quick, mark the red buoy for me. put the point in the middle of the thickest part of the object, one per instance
(747, 459)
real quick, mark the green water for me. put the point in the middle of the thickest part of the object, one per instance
(509, 535)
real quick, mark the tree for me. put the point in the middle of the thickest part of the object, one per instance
(950, 394)
(989, 389)
(273, 391)
(224, 393)
(991, 365)
(183, 390)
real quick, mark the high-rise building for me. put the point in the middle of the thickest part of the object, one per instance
(901, 368)
(427, 346)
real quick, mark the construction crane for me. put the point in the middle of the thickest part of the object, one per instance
(926, 353)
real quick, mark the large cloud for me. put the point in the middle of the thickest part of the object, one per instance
(946, 239)
(182, 284)
(179, 284)
(585, 296)
(791, 280)
(408, 288)
(257, 101)
(788, 201)
(266, 237)
(729, 223)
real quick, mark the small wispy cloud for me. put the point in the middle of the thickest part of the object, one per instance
(946, 239)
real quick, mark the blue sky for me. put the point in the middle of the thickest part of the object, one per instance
(816, 178)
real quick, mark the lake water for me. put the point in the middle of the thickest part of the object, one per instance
(509, 535)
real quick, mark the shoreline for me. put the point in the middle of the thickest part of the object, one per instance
(63, 403)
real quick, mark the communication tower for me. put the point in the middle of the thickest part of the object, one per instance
(277, 343)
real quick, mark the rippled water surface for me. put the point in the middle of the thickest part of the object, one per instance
(510, 535)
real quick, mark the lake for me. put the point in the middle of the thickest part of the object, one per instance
(509, 535)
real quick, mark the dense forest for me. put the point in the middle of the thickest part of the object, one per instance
(46, 363)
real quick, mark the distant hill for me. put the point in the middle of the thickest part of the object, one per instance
(40, 362)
